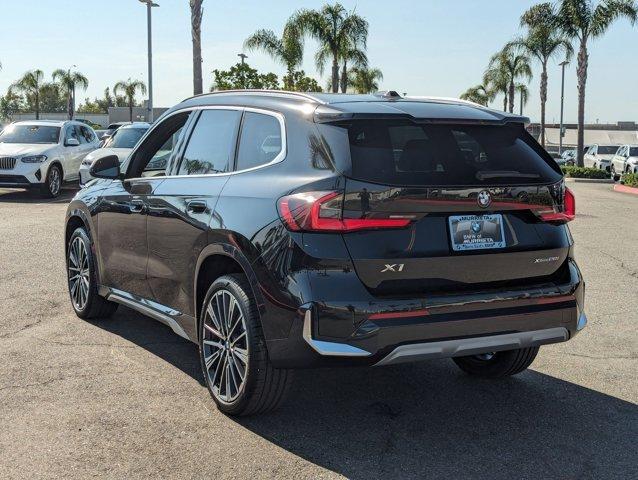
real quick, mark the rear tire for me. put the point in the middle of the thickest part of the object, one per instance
(82, 279)
(53, 183)
(231, 343)
(497, 364)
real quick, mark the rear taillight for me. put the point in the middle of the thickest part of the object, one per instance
(561, 213)
(323, 212)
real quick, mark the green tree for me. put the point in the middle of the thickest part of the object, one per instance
(513, 66)
(336, 30)
(582, 20)
(365, 80)
(10, 104)
(243, 76)
(51, 98)
(300, 82)
(69, 81)
(287, 50)
(542, 42)
(30, 85)
(197, 11)
(129, 89)
(357, 58)
(478, 94)
(523, 95)
(496, 80)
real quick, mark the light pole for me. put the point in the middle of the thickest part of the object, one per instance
(243, 57)
(149, 106)
(562, 102)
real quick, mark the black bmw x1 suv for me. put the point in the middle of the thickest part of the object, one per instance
(282, 230)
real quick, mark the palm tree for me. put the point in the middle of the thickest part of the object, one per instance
(129, 89)
(480, 94)
(513, 66)
(542, 42)
(287, 50)
(365, 80)
(69, 81)
(497, 80)
(336, 31)
(581, 20)
(523, 95)
(30, 85)
(197, 11)
(357, 57)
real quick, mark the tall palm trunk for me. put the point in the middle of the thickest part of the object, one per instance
(196, 34)
(37, 105)
(511, 96)
(583, 58)
(505, 101)
(335, 74)
(69, 105)
(543, 101)
(344, 77)
(130, 109)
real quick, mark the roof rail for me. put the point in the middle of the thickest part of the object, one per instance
(280, 93)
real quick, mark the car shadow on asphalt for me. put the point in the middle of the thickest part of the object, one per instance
(430, 420)
(31, 196)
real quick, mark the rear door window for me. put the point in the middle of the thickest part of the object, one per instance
(210, 148)
(407, 153)
(260, 141)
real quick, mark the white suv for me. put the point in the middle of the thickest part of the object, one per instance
(625, 161)
(599, 156)
(43, 154)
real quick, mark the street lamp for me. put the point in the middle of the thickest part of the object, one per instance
(149, 106)
(562, 101)
(243, 57)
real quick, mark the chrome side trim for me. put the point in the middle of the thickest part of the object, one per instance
(474, 346)
(150, 309)
(329, 348)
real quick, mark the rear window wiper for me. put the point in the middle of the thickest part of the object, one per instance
(486, 175)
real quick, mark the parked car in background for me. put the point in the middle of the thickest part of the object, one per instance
(291, 230)
(599, 156)
(120, 144)
(625, 161)
(568, 157)
(44, 154)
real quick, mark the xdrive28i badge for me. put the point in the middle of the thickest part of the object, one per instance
(484, 199)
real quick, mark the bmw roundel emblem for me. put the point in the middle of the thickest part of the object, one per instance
(484, 199)
(476, 227)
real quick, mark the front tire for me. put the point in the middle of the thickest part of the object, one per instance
(233, 353)
(53, 182)
(82, 279)
(497, 364)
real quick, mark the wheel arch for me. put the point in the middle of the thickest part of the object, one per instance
(217, 260)
(58, 163)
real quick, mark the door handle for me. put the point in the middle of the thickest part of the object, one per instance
(196, 206)
(137, 206)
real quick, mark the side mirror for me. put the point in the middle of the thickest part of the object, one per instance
(72, 142)
(107, 166)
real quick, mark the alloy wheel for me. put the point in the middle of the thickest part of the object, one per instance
(225, 346)
(79, 273)
(54, 181)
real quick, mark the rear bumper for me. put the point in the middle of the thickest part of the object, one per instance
(383, 332)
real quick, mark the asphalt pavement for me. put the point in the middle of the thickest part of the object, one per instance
(124, 398)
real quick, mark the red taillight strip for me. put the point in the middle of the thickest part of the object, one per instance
(408, 314)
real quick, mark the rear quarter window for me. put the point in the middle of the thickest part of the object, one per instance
(405, 153)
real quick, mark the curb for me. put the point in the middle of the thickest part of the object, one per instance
(625, 189)
(589, 180)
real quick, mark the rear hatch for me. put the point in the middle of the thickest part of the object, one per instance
(457, 206)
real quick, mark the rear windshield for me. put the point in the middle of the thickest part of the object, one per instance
(444, 155)
(30, 134)
(125, 137)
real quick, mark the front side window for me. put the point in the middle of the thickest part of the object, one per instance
(125, 138)
(210, 148)
(260, 141)
(30, 134)
(71, 132)
(87, 134)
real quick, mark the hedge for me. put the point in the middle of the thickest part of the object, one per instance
(584, 172)
(630, 179)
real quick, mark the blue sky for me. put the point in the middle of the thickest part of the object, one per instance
(426, 47)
